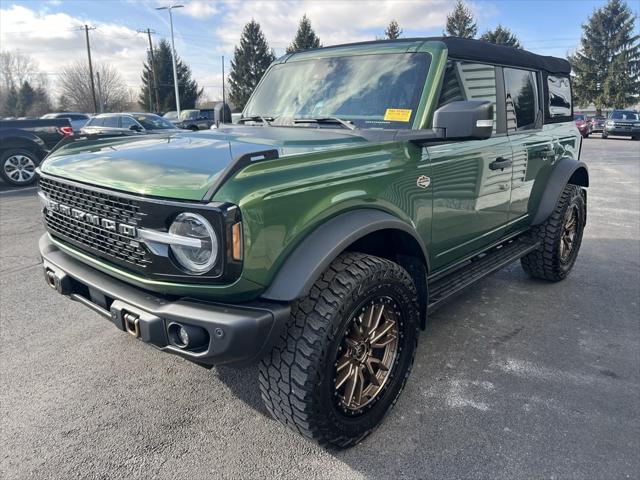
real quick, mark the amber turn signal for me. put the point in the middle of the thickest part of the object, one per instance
(236, 241)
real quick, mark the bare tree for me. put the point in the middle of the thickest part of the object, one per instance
(75, 86)
(16, 68)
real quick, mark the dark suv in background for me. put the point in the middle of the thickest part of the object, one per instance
(624, 123)
(201, 119)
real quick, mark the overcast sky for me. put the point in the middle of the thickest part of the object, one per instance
(205, 30)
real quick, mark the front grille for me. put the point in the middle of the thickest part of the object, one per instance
(106, 243)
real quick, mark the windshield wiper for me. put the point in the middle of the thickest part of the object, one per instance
(257, 118)
(318, 120)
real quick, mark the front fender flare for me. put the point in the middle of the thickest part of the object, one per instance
(567, 170)
(314, 254)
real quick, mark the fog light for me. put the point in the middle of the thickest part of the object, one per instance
(183, 335)
(187, 337)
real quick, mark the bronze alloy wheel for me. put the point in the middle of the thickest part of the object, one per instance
(366, 356)
(568, 234)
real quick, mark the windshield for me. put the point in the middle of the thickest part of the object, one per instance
(624, 116)
(189, 114)
(153, 122)
(170, 115)
(371, 91)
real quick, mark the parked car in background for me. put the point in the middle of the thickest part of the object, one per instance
(201, 119)
(114, 124)
(582, 124)
(625, 123)
(596, 124)
(77, 119)
(24, 143)
(171, 116)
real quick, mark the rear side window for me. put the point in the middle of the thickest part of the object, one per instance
(559, 103)
(521, 91)
(469, 81)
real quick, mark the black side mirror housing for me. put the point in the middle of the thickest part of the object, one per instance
(135, 128)
(464, 120)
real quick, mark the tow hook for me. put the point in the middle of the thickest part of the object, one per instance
(132, 324)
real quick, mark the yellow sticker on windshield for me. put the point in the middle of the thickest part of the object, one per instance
(397, 115)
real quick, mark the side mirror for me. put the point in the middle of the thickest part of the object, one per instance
(465, 120)
(135, 128)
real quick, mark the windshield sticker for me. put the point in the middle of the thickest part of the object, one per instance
(397, 114)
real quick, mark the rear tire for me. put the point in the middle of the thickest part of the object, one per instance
(306, 381)
(560, 236)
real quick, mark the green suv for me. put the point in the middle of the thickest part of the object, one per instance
(365, 185)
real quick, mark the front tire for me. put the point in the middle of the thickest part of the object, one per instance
(560, 236)
(18, 167)
(344, 359)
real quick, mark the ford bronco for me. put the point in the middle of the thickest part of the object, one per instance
(365, 185)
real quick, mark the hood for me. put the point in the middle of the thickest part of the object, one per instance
(181, 165)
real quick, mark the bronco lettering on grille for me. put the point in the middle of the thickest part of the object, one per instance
(90, 218)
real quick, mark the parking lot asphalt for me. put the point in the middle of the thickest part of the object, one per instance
(515, 378)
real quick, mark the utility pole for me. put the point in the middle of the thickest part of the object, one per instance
(93, 85)
(148, 31)
(173, 55)
(100, 100)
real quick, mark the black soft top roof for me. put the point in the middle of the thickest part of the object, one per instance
(480, 51)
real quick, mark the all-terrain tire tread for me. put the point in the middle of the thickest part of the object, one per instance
(289, 374)
(544, 262)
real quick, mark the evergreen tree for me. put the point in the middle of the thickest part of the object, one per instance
(250, 60)
(607, 66)
(460, 22)
(393, 31)
(502, 36)
(188, 87)
(9, 105)
(305, 37)
(26, 98)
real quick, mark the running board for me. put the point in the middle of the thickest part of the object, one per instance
(447, 284)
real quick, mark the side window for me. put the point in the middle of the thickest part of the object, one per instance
(110, 122)
(469, 81)
(559, 96)
(128, 122)
(521, 91)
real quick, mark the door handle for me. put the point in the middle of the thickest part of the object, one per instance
(500, 163)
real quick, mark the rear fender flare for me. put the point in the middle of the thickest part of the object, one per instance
(567, 170)
(314, 254)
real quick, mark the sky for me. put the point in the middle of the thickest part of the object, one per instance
(49, 32)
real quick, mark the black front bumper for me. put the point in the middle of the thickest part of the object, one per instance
(237, 333)
(622, 131)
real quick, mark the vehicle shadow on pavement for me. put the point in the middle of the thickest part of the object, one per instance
(243, 383)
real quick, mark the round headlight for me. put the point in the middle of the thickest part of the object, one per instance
(195, 260)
